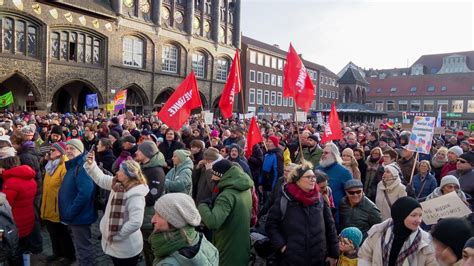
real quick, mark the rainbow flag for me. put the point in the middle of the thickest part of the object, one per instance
(119, 100)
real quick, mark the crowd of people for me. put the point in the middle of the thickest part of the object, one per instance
(191, 196)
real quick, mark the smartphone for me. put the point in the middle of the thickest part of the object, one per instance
(92, 148)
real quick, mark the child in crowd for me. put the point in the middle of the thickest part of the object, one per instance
(349, 242)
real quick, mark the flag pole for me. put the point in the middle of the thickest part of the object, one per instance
(243, 108)
(413, 168)
(302, 160)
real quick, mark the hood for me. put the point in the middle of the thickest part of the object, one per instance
(158, 160)
(22, 172)
(139, 190)
(235, 178)
(188, 163)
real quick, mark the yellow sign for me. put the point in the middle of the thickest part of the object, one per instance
(36, 8)
(109, 107)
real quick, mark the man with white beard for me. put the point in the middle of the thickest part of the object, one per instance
(330, 164)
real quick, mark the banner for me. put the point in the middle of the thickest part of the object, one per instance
(332, 130)
(6, 99)
(92, 101)
(319, 118)
(301, 116)
(231, 87)
(446, 206)
(421, 138)
(119, 100)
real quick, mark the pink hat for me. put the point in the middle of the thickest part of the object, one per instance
(214, 133)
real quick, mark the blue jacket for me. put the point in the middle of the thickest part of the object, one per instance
(76, 195)
(428, 187)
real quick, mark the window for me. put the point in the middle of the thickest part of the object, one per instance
(369, 104)
(393, 89)
(280, 81)
(290, 102)
(279, 98)
(285, 101)
(267, 78)
(55, 45)
(260, 59)
(280, 64)
(266, 97)
(428, 106)
(77, 47)
(413, 89)
(199, 64)
(431, 88)
(19, 37)
(390, 106)
(443, 104)
(169, 59)
(222, 69)
(443, 88)
(457, 106)
(470, 106)
(273, 80)
(253, 57)
(415, 106)
(379, 106)
(274, 62)
(133, 52)
(337, 95)
(259, 96)
(252, 75)
(402, 106)
(252, 96)
(333, 94)
(379, 90)
(321, 106)
(273, 98)
(267, 61)
(259, 77)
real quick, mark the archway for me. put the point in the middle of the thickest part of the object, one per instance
(71, 97)
(215, 107)
(162, 98)
(136, 99)
(25, 93)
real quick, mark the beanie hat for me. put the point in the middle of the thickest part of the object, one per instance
(449, 179)
(6, 152)
(129, 138)
(214, 133)
(76, 143)
(178, 209)
(56, 130)
(456, 150)
(114, 134)
(468, 156)
(115, 120)
(60, 146)
(313, 137)
(453, 232)
(211, 154)
(27, 131)
(353, 183)
(182, 154)
(469, 243)
(460, 133)
(353, 234)
(148, 148)
(402, 207)
(221, 167)
(274, 140)
(392, 170)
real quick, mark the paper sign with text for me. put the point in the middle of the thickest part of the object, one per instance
(421, 137)
(319, 118)
(449, 205)
(208, 117)
(301, 116)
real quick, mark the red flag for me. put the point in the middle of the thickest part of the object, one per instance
(231, 87)
(177, 109)
(333, 129)
(297, 83)
(253, 137)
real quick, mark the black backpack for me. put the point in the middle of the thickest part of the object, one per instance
(9, 243)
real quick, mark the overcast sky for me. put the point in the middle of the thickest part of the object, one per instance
(372, 34)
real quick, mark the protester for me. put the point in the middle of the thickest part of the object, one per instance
(7, 249)
(349, 242)
(129, 144)
(448, 184)
(406, 163)
(236, 156)
(179, 178)
(424, 183)
(388, 191)
(468, 253)
(360, 158)
(465, 172)
(197, 150)
(272, 169)
(373, 163)
(322, 180)
(105, 156)
(114, 137)
(449, 236)
(438, 161)
(202, 174)
(350, 163)
(312, 152)
(89, 137)
(453, 153)
(168, 147)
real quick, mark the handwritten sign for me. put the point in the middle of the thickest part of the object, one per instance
(319, 118)
(421, 137)
(440, 130)
(301, 116)
(208, 117)
(449, 205)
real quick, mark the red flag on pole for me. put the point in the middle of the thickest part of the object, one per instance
(178, 108)
(231, 87)
(333, 129)
(297, 83)
(253, 137)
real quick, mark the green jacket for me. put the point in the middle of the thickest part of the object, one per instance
(230, 217)
(178, 179)
(313, 156)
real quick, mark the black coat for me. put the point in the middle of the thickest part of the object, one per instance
(88, 143)
(168, 148)
(309, 233)
(155, 177)
(255, 162)
(107, 158)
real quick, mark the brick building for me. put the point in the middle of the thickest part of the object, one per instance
(55, 52)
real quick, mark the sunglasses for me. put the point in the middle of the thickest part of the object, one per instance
(462, 161)
(358, 192)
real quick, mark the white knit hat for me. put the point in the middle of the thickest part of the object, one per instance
(392, 170)
(178, 209)
(456, 150)
(449, 179)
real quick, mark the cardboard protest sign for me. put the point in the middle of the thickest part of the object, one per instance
(319, 118)
(440, 130)
(208, 117)
(421, 137)
(301, 116)
(449, 205)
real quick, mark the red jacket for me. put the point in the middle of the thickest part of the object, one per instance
(20, 187)
(448, 167)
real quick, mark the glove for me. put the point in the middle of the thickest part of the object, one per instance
(209, 202)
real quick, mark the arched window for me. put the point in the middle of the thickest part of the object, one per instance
(199, 64)
(77, 47)
(222, 69)
(19, 36)
(169, 58)
(133, 50)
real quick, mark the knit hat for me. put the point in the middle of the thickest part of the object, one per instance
(353, 183)
(6, 152)
(27, 131)
(56, 130)
(114, 134)
(402, 207)
(449, 179)
(182, 154)
(456, 150)
(129, 138)
(211, 154)
(178, 209)
(453, 232)
(221, 167)
(148, 148)
(76, 143)
(115, 120)
(214, 133)
(460, 134)
(274, 140)
(313, 137)
(353, 234)
(392, 170)
(300, 171)
(468, 156)
(469, 243)
(60, 146)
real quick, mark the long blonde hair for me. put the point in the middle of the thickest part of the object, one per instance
(134, 173)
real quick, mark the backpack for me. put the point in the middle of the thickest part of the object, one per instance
(9, 243)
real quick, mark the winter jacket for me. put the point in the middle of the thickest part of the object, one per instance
(29, 156)
(88, 143)
(272, 169)
(371, 174)
(203, 253)
(202, 184)
(230, 217)
(448, 167)
(424, 187)
(395, 191)
(52, 183)
(117, 128)
(168, 148)
(76, 195)
(255, 162)
(128, 242)
(117, 148)
(107, 158)
(363, 216)
(371, 252)
(308, 233)
(311, 155)
(466, 180)
(407, 166)
(20, 188)
(179, 179)
(362, 170)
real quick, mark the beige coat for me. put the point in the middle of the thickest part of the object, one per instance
(395, 191)
(370, 252)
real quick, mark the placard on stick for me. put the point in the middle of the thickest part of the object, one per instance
(449, 205)
(208, 117)
(421, 138)
(301, 116)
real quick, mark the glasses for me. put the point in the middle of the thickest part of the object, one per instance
(462, 161)
(53, 150)
(358, 192)
(311, 177)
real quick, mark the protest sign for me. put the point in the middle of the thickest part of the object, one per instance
(377, 123)
(449, 205)
(421, 137)
(301, 116)
(440, 130)
(208, 117)
(319, 118)
(247, 116)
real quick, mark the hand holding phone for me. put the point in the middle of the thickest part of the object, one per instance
(90, 157)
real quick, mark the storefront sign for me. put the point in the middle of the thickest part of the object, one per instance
(453, 115)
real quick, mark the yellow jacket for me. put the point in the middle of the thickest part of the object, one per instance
(51, 185)
(345, 261)
(286, 157)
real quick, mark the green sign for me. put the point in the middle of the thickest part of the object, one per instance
(453, 115)
(471, 127)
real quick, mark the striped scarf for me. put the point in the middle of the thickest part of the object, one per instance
(117, 208)
(408, 250)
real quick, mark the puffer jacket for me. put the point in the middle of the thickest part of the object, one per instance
(52, 184)
(20, 188)
(179, 179)
(395, 191)
(424, 187)
(362, 216)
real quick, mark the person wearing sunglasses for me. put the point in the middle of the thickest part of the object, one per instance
(465, 172)
(356, 209)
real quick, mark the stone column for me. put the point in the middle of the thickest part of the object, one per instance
(189, 17)
(156, 12)
(237, 34)
(216, 20)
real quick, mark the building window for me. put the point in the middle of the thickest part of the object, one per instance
(280, 81)
(199, 64)
(268, 63)
(19, 37)
(273, 80)
(252, 75)
(266, 97)
(133, 51)
(402, 106)
(379, 106)
(259, 97)
(413, 89)
(285, 101)
(470, 106)
(369, 104)
(428, 106)
(457, 106)
(393, 89)
(55, 45)
(260, 59)
(379, 90)
(415, 106)
(259, 77)
(333, 94)
(443, 104)
(222, 69)
(431, 88)
(280, 64)
(443, 88)
(390, 106)
(279, 98)
(290, 102)
(267, 78)
(321, 106)
(273, 98)
(76, 47)
(274, 62)
(337, 95)
(169, 59)
(252, 96)
(253, 57)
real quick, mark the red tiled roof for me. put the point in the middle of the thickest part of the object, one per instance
(457, 84)
(435, 61)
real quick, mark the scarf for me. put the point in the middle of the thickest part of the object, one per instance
(306, 198)
(163, 244)
(438, 163)
(117, 208)
(51, 166)
(399, 246)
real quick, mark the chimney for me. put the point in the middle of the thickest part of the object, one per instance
(277, 46)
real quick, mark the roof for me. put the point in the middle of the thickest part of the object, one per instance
(435, 61)
(101, 7)
(457, 84)
(353, 108)
(388, 72)
(352, 76)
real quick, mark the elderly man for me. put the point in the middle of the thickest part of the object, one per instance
(465, 172)
(453, 154)
(356, 209)
(406, 162)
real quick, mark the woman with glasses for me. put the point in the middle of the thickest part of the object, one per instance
(424, 182)
(448, 184)
(389, 190)
(300, 223)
